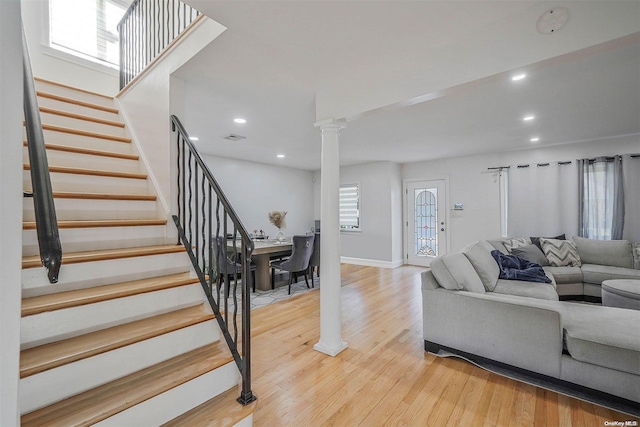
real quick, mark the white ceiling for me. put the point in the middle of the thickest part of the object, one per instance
(279, 63)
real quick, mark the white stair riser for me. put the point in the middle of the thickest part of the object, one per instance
(92, 209)
(88, 161)
(99, 238)
(80, 124)
(247, 422)
(57, 384)
(88, 274)
(48, 327)
(78, 109)
(172, 403)
(73, 140)
(74, 94)
(70, 182)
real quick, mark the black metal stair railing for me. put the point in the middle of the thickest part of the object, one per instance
(146, 29)
(210, 230)
(45, 211)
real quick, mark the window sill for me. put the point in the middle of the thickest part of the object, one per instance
(78, 60)
(358, 231)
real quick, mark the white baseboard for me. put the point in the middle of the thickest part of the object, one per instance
(371, 262)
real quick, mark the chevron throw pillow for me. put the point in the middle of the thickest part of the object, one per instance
(561, 253)
(519, 242)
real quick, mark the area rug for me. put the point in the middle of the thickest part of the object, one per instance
(602, 400)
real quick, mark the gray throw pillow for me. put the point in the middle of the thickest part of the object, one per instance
(561, 253)
(479, 254)
(536, 240)
(531, 253)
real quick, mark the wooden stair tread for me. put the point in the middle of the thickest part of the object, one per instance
(39, 79)
(43, 94)
(88, 151)
(92, 172)
(101, 196)
(102, 402)
(48, 356)
(60, 300)
(81, 117)
(106, 254)
(221, 411)
(104, 196)
(88, 134)
(31, 225)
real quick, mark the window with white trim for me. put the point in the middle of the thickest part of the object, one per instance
(350, 207)
(87, 28)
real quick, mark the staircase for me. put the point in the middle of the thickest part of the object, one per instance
(124, 338)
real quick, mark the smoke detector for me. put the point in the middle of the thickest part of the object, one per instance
(234, 137)
(552, 20)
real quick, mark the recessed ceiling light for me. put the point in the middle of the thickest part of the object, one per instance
(518, 77)
(528, 118)
(240, 120)
(536, 139)
(194, 138)
(280, 156)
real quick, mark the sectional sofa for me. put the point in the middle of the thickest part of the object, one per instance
(599, 260)
(467, 309)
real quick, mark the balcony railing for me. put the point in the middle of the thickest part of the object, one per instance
(146, 29)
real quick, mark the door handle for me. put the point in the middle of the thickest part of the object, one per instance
(442, 229)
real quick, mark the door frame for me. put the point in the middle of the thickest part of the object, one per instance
(405, 213)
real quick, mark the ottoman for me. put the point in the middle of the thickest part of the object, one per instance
(622, 293)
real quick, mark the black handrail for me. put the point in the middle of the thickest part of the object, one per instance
(210, 237)
(146, 29)
(45, 211)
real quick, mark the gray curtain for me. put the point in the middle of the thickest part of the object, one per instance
(601, 198)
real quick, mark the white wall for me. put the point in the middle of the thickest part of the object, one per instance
(380, 240)
(10, 208)
(51, 64)
(146, 105)
(255, 189)
(470, 182)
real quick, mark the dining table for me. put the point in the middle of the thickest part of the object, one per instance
(263, 252)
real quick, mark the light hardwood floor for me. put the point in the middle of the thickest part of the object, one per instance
(384, 377)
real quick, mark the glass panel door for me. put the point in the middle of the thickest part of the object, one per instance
(426, 231)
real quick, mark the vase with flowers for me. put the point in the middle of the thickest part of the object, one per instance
(277, 218)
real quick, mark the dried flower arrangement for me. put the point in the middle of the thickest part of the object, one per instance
(277, 218)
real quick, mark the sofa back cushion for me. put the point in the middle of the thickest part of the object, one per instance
(614, 253)
(479, 254)
(454, 272)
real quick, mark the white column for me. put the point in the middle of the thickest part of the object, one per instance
(331, 342)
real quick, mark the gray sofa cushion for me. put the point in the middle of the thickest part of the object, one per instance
(603, 336)
(531, 253)
(526, 289)
(499, 245)
(479, 254)
(616, 253)
(595, 274)
(565, 274)
(454, 272)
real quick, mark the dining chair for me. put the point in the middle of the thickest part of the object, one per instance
(298, 262)
(227, 266)
(314, 261)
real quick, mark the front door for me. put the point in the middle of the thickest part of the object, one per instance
(426, 216)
